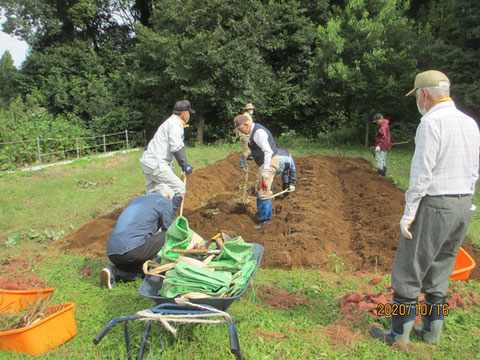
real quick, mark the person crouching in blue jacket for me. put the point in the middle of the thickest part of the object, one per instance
(138, 235)
(286, 169)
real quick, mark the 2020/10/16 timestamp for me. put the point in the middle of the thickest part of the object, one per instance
(422, 309)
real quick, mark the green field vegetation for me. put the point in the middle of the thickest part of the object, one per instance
(58, 199)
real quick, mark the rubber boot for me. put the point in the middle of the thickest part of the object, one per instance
(380, 172)
(264, 208)
(432, 324)
(384, 171)
(399, 332)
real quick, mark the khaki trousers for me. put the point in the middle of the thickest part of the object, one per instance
(273, 169)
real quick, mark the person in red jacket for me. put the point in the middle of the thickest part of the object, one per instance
(383, 143)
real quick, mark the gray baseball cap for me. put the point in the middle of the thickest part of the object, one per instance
(183, 105)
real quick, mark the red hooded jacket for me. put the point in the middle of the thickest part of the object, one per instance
(382, 138)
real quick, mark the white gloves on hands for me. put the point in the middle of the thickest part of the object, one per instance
(291, 188)
(405, 223)
(377, 148)
(473, 208)
(265, 175)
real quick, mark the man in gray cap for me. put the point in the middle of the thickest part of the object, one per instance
(383, 143)
(437, 212)
(167, 144)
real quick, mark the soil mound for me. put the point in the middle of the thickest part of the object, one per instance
(342, 215)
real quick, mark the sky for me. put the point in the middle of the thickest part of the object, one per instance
(18, 49)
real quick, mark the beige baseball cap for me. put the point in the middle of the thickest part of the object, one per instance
(427, 79)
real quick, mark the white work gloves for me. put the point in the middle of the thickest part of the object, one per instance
(473, 208)
(265, 175)
(291, 188)
(377, 148)
(405, 223)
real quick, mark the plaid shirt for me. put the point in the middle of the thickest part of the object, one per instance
(446, 155)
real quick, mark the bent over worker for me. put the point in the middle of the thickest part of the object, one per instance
(167, 144)
(138, 235)
(383, 143)
(245, 138)
(264, 152)
(437, 209)
(287, 169)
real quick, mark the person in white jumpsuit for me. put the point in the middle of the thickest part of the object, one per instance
(167, 144)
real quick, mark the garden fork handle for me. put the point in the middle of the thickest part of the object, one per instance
(183, 198)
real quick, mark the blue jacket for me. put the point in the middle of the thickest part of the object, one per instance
(286, 167)
(141, 219)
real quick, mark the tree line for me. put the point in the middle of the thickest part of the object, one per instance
(317, 68)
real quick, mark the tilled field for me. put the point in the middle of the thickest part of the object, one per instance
(342, 215)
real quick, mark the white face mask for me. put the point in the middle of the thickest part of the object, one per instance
(420, 110)
(251, 112)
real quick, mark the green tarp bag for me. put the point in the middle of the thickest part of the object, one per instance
(235, 254)
(185, 278)
(241, 277)
(178, 236)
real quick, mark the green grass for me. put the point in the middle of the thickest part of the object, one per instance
(65, 197)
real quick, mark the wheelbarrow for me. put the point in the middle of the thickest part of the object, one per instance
(179, 310)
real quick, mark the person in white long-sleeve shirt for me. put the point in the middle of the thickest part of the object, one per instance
(167, 144)
(437, 213)
(265, 154)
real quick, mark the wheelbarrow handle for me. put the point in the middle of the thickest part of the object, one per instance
(234, 342)
(110, 325)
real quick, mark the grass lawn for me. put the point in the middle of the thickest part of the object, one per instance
(35, 208)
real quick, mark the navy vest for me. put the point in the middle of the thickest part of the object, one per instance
(257, 152)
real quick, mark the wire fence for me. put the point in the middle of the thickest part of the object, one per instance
(45, 150)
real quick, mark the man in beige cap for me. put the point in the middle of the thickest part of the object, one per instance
(265, 154)
(244, 138)
(437, 212)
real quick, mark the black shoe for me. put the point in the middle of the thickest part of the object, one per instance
(107, 277)
(261, 224)
(243, 162)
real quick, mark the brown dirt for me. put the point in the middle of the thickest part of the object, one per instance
(340, 207)
(19, 273)
(281, 299)
(342, 334)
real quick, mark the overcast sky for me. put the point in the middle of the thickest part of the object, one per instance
(18, 49)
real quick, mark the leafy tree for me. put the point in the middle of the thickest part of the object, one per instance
(8, 80)
(453, 46)
(24, 122)
(363, 65)
(221, 55)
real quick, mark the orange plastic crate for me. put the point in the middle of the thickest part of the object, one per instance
(16, 299)
(463, 265)
(44, 335)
